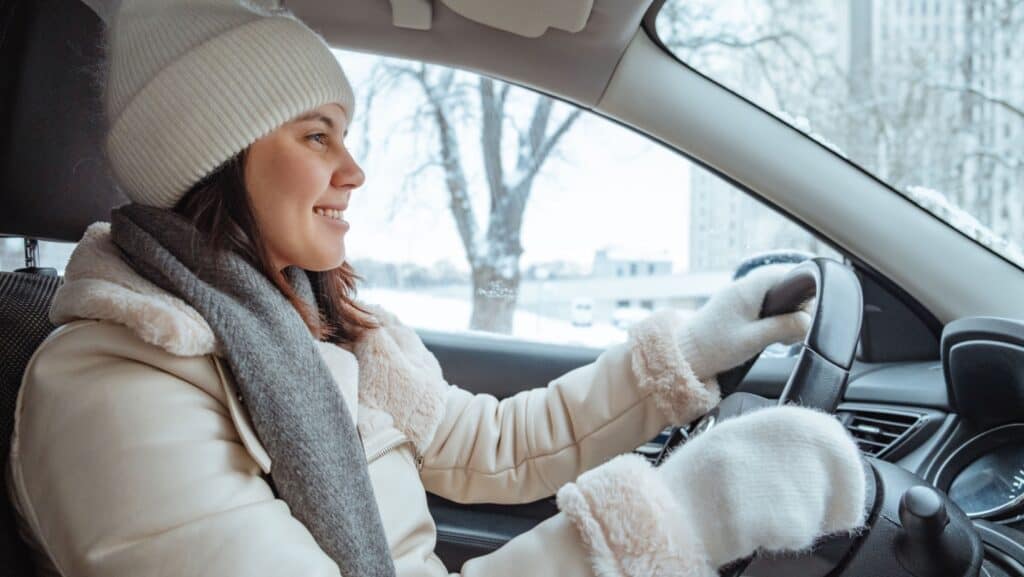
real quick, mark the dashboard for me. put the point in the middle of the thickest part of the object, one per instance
(958, 423)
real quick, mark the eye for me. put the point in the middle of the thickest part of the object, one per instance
(316, 136)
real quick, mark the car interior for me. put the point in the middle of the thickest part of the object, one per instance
(917, 344)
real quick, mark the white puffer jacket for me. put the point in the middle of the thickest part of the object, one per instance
(133, 454)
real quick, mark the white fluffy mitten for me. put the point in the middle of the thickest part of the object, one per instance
(772, 480)
(678, 358)
(727, 331)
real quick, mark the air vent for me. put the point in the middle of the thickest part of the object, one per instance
(879, 432)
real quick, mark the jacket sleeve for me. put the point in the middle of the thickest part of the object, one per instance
(525, 447)
(126, 463)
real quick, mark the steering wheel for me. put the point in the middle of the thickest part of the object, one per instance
(913, 529)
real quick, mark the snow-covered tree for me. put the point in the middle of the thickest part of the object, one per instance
(483, 110)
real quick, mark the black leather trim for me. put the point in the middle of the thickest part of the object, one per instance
(497, 367)
(467, 531)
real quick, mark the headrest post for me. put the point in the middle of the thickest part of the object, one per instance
(32, 258)
(31, 252)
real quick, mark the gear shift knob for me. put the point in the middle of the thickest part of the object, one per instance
(923, 513)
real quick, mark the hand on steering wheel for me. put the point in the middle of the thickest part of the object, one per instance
(895, 544)
(786, 294)
(730, 328)
(774, 480)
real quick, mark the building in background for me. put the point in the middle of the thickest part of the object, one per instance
(926, 94)
(623, 286)
(608, 296)
(727, 226)
(627, 262)
(937, 102)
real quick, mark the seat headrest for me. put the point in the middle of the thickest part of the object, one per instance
(54, 178)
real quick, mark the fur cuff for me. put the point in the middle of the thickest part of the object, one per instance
(630, 522)
(399, 375)
(662, 370)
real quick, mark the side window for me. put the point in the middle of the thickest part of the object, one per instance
(51, 254)
(490, 208)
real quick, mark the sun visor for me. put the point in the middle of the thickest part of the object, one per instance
(529, 18)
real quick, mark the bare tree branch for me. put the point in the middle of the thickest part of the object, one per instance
(552, 141)
(992, 157)
(504, 93)
(410, 181)
(539, 124)
(987, 97)
(451, 160)
(687, 42)
(493, 117)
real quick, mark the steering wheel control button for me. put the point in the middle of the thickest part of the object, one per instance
(923, 513)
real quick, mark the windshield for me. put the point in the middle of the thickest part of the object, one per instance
(927, 95)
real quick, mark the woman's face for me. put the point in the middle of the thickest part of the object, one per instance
(299, 178)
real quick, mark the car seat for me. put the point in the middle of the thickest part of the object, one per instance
(53, 183)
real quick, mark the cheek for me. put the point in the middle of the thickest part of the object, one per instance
(298, 180)
(285, 183)
(288, 187)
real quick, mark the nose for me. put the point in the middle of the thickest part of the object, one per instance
(348, 174)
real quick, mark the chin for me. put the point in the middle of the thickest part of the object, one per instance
(321, 265)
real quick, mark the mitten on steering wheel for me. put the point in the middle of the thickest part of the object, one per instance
(772, 480)
(678, 357)
(728, 330)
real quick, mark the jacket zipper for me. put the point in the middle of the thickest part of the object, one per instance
(387, 449)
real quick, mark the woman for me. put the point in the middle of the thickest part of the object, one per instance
(214, 401)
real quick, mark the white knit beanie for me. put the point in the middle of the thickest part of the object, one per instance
(191, 83)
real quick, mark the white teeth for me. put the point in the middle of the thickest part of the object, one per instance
(329, 213)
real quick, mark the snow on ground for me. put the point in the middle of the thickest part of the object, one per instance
(452, 315)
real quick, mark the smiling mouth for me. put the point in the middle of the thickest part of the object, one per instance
(334, 214)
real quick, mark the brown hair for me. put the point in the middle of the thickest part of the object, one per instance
(219, 207)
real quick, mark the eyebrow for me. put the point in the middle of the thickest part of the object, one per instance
(320, 117)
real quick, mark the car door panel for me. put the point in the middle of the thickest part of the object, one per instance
(502, 367)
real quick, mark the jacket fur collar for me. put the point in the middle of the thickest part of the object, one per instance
(397, 373)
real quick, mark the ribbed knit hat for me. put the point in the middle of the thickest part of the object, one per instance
(191, 83)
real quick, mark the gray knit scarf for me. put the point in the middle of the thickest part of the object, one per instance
(319, 467)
